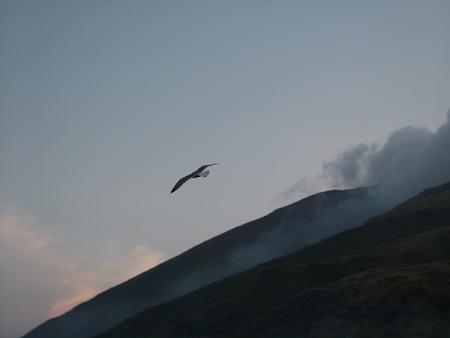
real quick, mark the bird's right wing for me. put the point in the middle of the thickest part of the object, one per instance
(203, 167)
(180, 182)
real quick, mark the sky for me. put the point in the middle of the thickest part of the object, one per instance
(104, 105)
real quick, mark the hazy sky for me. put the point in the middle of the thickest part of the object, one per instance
(105, 104)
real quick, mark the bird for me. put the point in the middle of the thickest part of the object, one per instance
(200, 172)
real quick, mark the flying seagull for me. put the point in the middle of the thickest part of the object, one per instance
(200, 172)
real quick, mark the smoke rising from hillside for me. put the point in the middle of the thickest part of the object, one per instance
(412, 159)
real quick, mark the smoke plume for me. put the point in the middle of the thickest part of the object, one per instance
(412, 159)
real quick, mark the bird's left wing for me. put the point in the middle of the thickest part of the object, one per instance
(180, 182)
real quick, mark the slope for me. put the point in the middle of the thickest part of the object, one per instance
(388, 277)
(276, 234)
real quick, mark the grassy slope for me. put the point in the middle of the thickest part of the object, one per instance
(385, 278)
(209, 261)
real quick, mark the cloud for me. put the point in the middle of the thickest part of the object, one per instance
(87, 276)
(79, 292)
(40, 279)
(411, 160)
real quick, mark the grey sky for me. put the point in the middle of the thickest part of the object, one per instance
(105, 104)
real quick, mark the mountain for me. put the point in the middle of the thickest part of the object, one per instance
(387, 278)
(280, 232)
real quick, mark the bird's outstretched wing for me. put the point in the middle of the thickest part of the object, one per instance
(180, 182)
(203, 167)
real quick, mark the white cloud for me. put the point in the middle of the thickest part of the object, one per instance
(39, 279)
